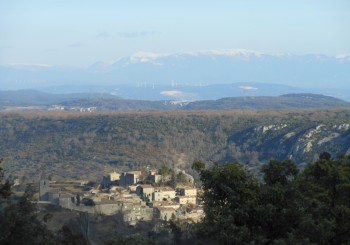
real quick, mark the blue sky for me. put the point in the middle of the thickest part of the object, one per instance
(81, 32)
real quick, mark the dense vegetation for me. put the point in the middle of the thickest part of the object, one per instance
(291, 206)
(83, 145)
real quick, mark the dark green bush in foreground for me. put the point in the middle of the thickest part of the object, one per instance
(311, 206)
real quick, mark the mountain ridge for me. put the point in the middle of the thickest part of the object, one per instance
(312, 72)
(108, 102)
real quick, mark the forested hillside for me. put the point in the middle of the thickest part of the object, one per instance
(81, 145)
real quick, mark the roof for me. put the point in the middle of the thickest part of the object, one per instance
(164, 188)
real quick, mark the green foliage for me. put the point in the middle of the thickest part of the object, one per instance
(326, 187)
(130, 240)
(88, 202)
(198, 165)
(290, 207)
(230, 196)
(19, 223)
(5, 187)
(325, 156)
(164, 170)
(279, 172)
(66, 237)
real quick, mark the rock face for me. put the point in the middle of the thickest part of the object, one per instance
(298, 143)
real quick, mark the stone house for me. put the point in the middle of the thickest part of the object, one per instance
(163, 193)
(129, 178)
(132, 188)
(188, 191)
(155, 178)
(106, 181)
(165, 204)
(114, 176)
(186, 199)
(67, 200)
(107, 207)
(145, 191)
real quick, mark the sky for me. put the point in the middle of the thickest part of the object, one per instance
(81, 32)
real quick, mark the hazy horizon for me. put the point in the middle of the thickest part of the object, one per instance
(80, 33)
(100, 46)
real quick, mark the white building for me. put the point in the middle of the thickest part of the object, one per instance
(188, 191)
(163, 193)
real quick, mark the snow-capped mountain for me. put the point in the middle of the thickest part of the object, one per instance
(311, 73)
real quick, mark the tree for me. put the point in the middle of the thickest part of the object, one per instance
(279, 213)
(311, 206)
(164, 170)
(19, 223)
(198, 165)
(5, 187)
(88, 202)
(230, 195)
(325, 184)
(78, 199)
(279, 172)
(131, 240)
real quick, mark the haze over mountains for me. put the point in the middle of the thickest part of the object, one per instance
(89, 102)
(191, 76)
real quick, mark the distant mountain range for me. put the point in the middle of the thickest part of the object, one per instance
(107, 102)
(266, 102)
(193, 75)
(37, 98)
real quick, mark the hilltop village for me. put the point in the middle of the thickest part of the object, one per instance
(124, 193)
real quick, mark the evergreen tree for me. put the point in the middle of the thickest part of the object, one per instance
(230, 195)
(290, 207)
(19, 223)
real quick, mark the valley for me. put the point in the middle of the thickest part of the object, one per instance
(81, 145)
